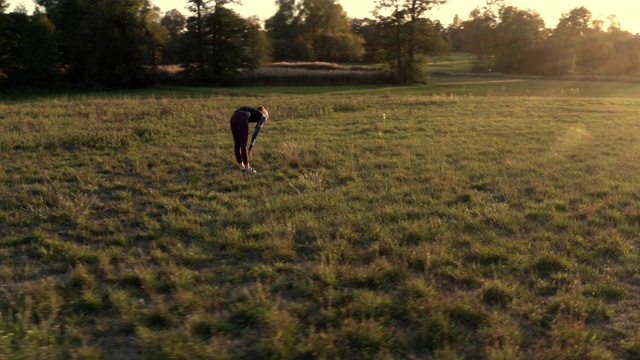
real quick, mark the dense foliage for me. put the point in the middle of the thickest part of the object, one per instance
(408, 35)
(313, 30)
(511, 40)
(121, 43)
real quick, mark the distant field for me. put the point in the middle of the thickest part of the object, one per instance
(454, 63)
(473, 218)
(460, 85)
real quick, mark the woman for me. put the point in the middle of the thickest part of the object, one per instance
(240, 130)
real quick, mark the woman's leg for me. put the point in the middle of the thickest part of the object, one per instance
(240, 131)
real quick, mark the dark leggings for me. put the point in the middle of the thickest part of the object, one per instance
(240, 130)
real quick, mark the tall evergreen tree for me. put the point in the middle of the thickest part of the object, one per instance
(220, 43)
(195, 26)
(106, 42)
(225, 34)
(28, 53)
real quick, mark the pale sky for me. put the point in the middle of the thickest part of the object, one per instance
(626, 11)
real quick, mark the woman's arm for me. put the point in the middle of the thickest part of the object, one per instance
(256, 131)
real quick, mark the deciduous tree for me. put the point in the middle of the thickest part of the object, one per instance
(257, 44)
(401, 29)
(479, 37)
(326, 28)
(28, 53)
(283, 29)
(519, 33)
(366, 29)
(174, 22)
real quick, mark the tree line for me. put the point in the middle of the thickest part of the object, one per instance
(510, 40)
(121, 43)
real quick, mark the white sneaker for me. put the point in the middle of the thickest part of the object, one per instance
(249, 171)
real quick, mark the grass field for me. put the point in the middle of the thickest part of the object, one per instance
(474, 218)
(454, 63)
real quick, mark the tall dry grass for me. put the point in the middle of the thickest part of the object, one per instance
(294, 74)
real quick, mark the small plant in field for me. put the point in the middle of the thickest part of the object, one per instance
(313, 180)
(291, 152)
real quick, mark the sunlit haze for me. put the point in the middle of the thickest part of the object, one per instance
(627, 12)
